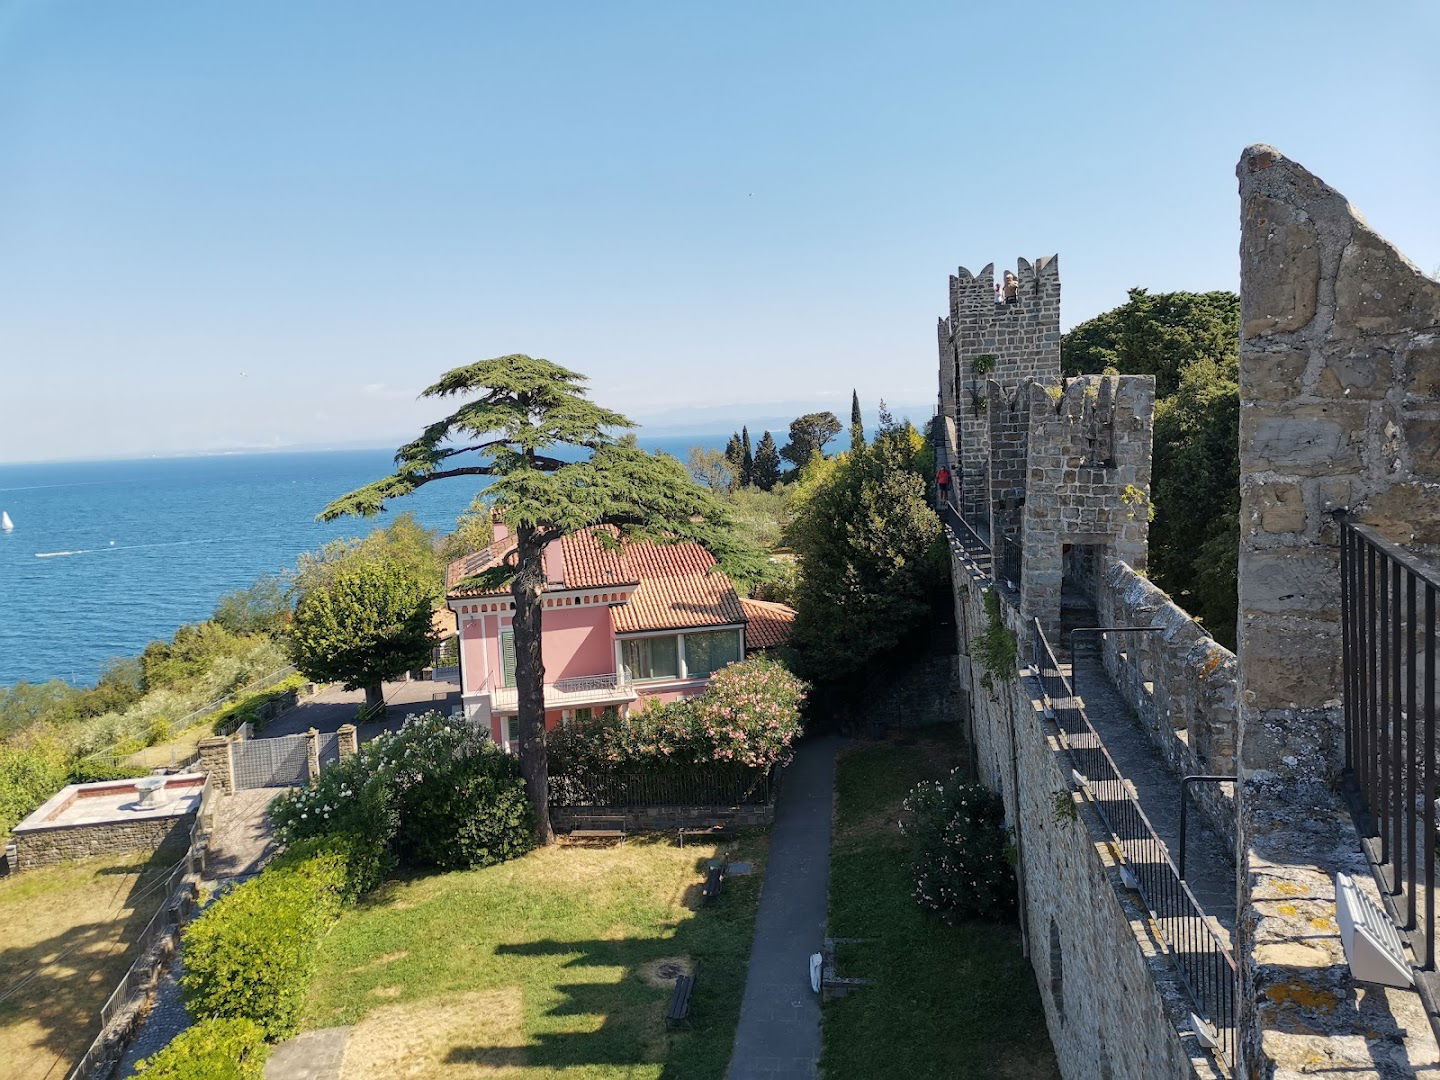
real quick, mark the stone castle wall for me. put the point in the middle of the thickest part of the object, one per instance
(1088, 481)
(1178, 680)
(1009, 416)
(1114, 1006)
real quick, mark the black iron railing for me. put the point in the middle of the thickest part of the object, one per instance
(1388, 603)
(1198, 947)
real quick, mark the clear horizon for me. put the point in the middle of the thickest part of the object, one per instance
(270, 226)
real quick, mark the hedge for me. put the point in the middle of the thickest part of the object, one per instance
(212, 1049)
(251, 954)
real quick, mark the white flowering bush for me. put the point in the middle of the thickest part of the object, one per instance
(432, 794)
(962, 849)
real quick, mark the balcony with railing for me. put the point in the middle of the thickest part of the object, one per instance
(583, 692)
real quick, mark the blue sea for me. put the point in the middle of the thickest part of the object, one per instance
(107, 556)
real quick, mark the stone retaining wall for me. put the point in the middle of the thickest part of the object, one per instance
(66, 842)
(664, 818)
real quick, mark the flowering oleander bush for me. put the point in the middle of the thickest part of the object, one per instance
(748, 716)
(962, 858)
(434, 793)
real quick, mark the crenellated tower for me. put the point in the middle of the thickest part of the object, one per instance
(1006, 335)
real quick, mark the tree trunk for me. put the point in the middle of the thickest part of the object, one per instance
(374, 701)
(530, 678)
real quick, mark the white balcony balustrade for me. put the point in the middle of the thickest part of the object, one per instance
(571, 693)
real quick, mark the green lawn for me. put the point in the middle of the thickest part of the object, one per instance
(948, 1002)
(542, 967)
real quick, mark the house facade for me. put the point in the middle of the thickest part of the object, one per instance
(620, 627)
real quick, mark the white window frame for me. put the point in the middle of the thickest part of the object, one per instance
(680, 636)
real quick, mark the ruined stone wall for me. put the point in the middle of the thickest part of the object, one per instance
(1179, 681)
(1340, 408)
(1088, 467)
(1113, 1004)
(1023, 338)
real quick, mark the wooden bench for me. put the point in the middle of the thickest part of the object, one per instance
(714, 882)
(680, 999)
(716, 830)
(598, 829)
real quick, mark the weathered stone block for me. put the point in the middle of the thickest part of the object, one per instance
(1378, 291)
(1303, 439)
(1280, 266)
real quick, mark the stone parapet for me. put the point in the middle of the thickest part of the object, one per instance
(217, 760)
(1339, 409)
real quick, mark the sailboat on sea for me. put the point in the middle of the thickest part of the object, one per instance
(6, 525)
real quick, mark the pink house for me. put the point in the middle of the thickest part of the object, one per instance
(620, 627)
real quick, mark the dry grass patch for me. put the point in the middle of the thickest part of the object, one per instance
(555, 965)
(68, 932)
(460, 1037)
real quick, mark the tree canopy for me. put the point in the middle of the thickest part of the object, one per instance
(808, 436)
(871, 553)
(366, 620)
(766, 473)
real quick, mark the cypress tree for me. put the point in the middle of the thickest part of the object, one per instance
(857, 423)
(766, 471)
(747, 459)
(735, 455)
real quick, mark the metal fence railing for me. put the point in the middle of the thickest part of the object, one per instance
(107, 1046)
(1198, 947)
(712, 784)
(1389, 634)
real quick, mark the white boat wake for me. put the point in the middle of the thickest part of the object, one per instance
(127, 547)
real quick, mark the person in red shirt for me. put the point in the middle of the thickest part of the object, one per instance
(942, 481)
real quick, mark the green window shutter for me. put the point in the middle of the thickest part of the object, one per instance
(507, 657)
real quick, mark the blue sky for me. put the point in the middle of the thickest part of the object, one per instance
(270, 223)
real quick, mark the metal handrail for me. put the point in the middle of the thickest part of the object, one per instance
(1200, 953)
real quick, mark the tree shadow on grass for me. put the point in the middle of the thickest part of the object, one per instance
(58, 983)
(632, 1030)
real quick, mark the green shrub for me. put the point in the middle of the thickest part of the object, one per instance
(251, 954)
(94, 770)
(434, 793)
(30, 772)
(962, 864)
(212, 1049)
(468, 812)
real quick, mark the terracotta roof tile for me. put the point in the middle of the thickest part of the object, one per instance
(767, 624)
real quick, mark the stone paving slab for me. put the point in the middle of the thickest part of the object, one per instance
(778, 1037)
(311, 1055)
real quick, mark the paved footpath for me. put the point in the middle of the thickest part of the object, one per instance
(779, 1033)
(239, 847)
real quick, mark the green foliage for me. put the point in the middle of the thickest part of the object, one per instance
(761, 519)
(983, 364)
(250, 956)
(190, 654)
(870, 552)
(712, 470)
(249, 707)
(366, 620)
(996, 648)
(962, 869)
(857, 422)
(748, 715)
(1160, 334)
(263, 608)
(766, 472)
(808, 436)
(474, 530)
(434, 793)
(210, 1049)
(1189, 342)
(31, 770)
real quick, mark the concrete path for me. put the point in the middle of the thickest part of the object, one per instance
(311, 1055)
(239, 847)
(779, 1033)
